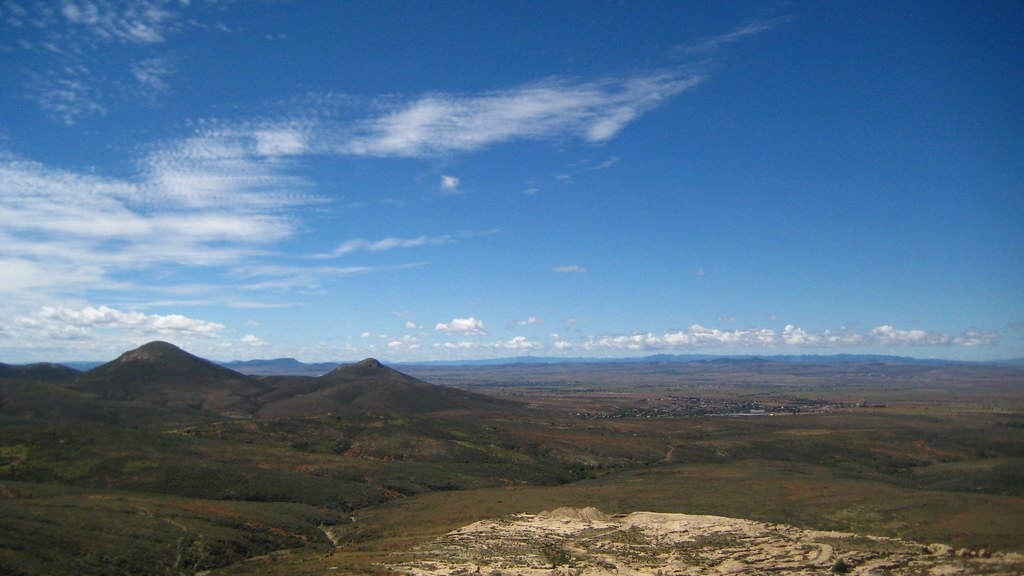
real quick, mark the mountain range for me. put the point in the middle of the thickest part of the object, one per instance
(294, 367)
(162, 374)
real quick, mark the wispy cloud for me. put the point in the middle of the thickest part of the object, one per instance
(514, 344)
(204, 201)
(308, 278)
(445, 123)
(736, 35)
(529, 321)
(73, 39)
(390, 243)
(151, 74)
(568, 269)
(67, 95)
(131, 22)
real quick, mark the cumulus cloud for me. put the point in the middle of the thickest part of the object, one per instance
(405, 343)
(253, 341)
(450, 184)
(469, 326)
(514, 344)
(68, 323)
(977, 338)
(412, 325)
(518, 343)
(568, 268)
(698, 336)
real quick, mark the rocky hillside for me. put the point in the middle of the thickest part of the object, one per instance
(587, 542)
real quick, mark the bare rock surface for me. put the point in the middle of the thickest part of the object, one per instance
(587, 542)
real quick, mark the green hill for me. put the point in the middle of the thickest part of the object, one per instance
(369, 386)
(42, 371)
(161, 373)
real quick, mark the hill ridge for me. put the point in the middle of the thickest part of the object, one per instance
(162, 373)
(369, 385)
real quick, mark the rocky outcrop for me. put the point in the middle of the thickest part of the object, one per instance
(587, 542)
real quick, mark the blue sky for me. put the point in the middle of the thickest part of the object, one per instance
(431, 180)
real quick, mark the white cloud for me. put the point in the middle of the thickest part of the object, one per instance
(727, 318)
(405, 343)
(178, 213)
(61, 322)
(72, 43)
(450, 184)
(389, 243)
(445, 123)
(470, 326)
(530, 320)
(697, 336)
(224, 167)
(518, 343)
(132, 22)
(152, 73)
(283, 277)
(737, 35)
(515, 344)
(412, 325)
(280, 142)
(253, 341)
(66, 94)
(887, 335)
(568, 268)
(977, 338)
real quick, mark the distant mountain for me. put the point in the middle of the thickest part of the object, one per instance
(83, 365)
(44, 371)
(368, 386)
(164, 374)
(279, 366)
(293, 367)
(789, 359)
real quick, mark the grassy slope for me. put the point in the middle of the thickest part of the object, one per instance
(64, 530)
(800, 494)
(930, 471)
